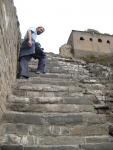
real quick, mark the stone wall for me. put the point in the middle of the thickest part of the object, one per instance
(9, 46)
(66, 51)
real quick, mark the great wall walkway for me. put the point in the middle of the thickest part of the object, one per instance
(64, 109)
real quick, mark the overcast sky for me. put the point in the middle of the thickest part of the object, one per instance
(60, 17)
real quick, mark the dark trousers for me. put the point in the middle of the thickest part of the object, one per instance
(42, 65)
(24, 68)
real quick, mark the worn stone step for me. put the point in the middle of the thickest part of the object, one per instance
(38, 147)
(98, 146)
(52, 75)
(94, 146)
(86, 118)
(49, 88)
(46, 90)
(59, 70)
(92, 85)
(40, 80)
(71, 76)
(44, 93)
(30, 140)
(84, 79)
(60, 108)
(63, 69)
(57, 66)
(78, 99)
(53, 130)
(55, 70)
(96, 86)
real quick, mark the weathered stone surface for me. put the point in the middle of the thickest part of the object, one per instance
(39, 80)
(53, 130)
(48, 92)
(41, 147)
(49, 88)
(61, 108)
(55, 118)
(66, 51)
(62, 147)
(98, 139)
(77, 99)
(31, 140)
(9, 47)
(44, 118)
(99, 146)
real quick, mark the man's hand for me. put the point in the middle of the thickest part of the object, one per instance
(29, 34)
(30, 43)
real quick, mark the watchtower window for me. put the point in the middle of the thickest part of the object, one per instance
(81, 38)
(99, 40)
(91, 39)
(108, 41)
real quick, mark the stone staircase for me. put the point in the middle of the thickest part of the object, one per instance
(60, 110)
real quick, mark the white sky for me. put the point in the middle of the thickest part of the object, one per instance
(60, 17)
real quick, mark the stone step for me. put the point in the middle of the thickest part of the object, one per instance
(92, 84)
(98, 146)
(44, 80)
(52, 75)
(46, 90)
(59, 71)
(54, 70)
(29, 93)
(62, 68)
(39, 147)
(57, 66)
(95, 146)
(66, 60)
(60, 108)
(86, 118)
(70, 76)
(30, 140)
(78, 99)
(86, 79)
(52, 130)
(75, 76)
(49, 88)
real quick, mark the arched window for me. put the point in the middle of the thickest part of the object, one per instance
(91, 39)
(81, 38)
(99, 40)
(108, 41)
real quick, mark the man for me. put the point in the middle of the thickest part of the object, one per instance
(27, 50)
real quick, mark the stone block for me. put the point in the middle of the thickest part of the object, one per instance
(11, 147)
(99, 146)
